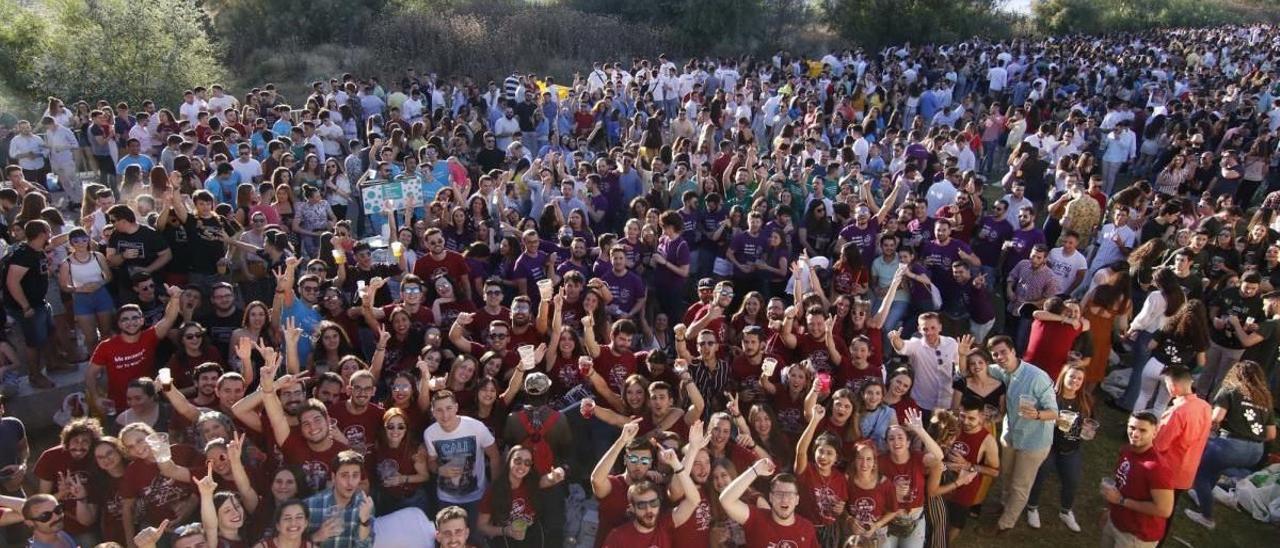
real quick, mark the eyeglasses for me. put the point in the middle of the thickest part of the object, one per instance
(637, 459)
(647, 504)
(401, 388)
(44, 517)
(496, 292)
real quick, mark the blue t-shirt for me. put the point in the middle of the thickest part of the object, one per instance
(307, 319)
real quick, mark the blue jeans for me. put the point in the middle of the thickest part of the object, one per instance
(1140, 357)
(1222, 453)
(1070, 468)
(989, 149)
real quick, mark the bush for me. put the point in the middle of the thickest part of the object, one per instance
(124, 50)
(877, 23)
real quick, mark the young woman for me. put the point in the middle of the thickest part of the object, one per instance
(789, 398)
(329, 346)
(399, 465)
(194, 348)
(906, 469)
(509, 512)
(823, 490)
(1242, 411)
(877, 499)
(873, 416)
(1075, 406)
(1106, 306)
(290, 524)
(898, 395)
(256, 326)
(221, 514)
(1181, 342)
(85, 275)
(976, 384)
(1157, 308)
(337, 188)
(107, 504)
(840, 423)
(144, 407)
(144, 473)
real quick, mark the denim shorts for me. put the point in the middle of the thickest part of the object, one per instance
(89, 304)
(35, 329)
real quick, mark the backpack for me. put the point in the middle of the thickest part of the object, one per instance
(536, 441)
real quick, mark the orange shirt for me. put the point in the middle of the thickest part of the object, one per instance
(1184, 430)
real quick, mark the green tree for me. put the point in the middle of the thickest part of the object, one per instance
(126, 50)
(877, 23)
(21, 32)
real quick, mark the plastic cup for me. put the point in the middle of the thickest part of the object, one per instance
(824, 382)
(1027, 403)
(991, 412)
(1066, 419)
(1107, 481)
(902, 486)
(545, 288)
(526, 356)
(768, 367)
(519, 526)
(339, 256)
(584, 367)
(1089, 429)
(397, 249)
(588, 407)
(165, 376)
(159, 444)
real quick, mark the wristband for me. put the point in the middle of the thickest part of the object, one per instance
(674, 472)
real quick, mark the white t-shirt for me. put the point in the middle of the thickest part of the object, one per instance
(464, 447)
(1065, 268)
(247, 170)
(404, 528)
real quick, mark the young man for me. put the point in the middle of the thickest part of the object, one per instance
(458, 449)
(132, 352)
(45, 516)
(1140, 497)
(1183, 431)
(611, 490)
(778, 526)
(439, 260)
(451, 528)
(310, 446)
(25, 285)
(933, 358)
(342, 515)
(973, 452)
(134, 247)
(671, 262)
(357, 418)
(1028, 429)
(649, 526)
(68, 462)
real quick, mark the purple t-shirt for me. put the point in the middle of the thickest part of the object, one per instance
(531, 268)
(566, 266)
(748, 249)
(938, 258)
(1023, 241)
(992, 234)
(692, 223)
(864, 238)
(710, 221)
(676, 252)
(979, 303)
(627, 289)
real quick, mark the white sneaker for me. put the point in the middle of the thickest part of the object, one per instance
(1033, 518)
(1200, 518)
(1069, 519)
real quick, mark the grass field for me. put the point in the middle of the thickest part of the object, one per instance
(1234, 528)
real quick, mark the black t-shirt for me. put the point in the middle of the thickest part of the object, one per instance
(1244, 419)
(490, 159)
(356, 275)
(220, 328)
(204, 237)
(1066, 442)
(1229, 302)
(1153, 229)
(35, 281)
(179, 241)
(1171, 350)
(145, 240)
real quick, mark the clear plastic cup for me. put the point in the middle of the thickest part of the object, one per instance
(159, 444)
(339, 256)
(397, 249)
(902, 487)
(1089, 429)
(519, 526)
(1027, 403)
(545, 288)
(165, 376)
(1067, 419)
(1107, 481)
(990, 412)
(769, 366)
(526, 356)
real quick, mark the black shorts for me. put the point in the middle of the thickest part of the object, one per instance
(957, 515)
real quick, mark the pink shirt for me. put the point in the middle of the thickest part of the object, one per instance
(1184, 430)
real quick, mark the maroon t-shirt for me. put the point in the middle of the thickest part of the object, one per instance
(696, 531)
(763, 532)
(911, 472)
(614, 368)
(55, 460)
(871, 504)
(360, 430)
(315, 464)
(612, 510)
(627, 536)
(160, 494)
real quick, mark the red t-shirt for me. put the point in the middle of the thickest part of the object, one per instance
(315, 464)
(1136, 475)
(613, 367)
(1049, 344)
(871, 504)
(360, 430)
(521, 503)
(125, 361)
(106, 494)
(790, 410)
(819, 495)
(479, 328)
(159, 494)
(696, 531)
(627, 536)
(848, 376)
(968, 445)
(763, 532)
(55, 460)
(453, 266)
(815, 350)
(420, 319)
(612, 510)
(911, 471)
(449, 312)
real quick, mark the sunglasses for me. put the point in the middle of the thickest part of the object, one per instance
(44, 517)
(646, 504)
(637, 459)
(413, 290)
(192, 336)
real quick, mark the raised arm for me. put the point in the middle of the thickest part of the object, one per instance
(816, 414)
(600, 485)
(731, 497)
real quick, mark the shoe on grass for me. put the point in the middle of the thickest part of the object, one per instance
(1069, 519)
(1033, 518)
(1199, 518)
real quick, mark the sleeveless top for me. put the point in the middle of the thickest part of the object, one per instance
(85, 273)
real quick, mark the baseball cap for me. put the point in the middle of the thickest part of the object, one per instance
(706, 283)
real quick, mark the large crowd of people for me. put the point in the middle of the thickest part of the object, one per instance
(753, 303)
